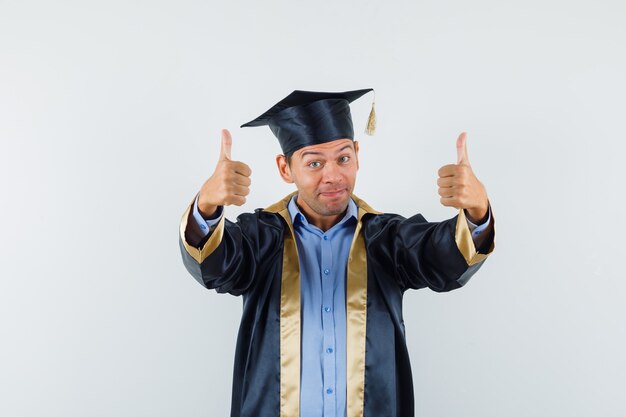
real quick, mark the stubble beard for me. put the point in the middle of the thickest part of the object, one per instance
(329, 209)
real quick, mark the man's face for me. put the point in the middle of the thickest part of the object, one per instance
(324, 175)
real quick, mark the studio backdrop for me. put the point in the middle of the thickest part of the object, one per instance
(110, 118)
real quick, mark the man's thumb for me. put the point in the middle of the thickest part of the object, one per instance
(461, 149)
(227, 142)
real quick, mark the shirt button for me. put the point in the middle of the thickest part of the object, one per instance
(329, 391)
(326, 271)
(329, 350)
(203, 227)
(325, 237)
(327, 309)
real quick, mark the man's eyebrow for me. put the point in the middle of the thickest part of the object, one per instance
(321, 153)
(310, 153)
(344, 148)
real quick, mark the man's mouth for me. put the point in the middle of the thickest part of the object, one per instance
(333, 193)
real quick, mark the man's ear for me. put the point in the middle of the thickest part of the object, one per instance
(356, 153)
(283, 168)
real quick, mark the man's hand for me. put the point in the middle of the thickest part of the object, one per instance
(459, 187)
(229, 184)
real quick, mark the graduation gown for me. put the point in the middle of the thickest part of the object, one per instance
(256, 257)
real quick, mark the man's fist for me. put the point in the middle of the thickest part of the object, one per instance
(229, 184)
(459, 187)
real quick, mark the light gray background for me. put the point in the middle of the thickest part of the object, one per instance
(109, 123)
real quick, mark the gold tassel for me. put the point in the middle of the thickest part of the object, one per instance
(370, 129)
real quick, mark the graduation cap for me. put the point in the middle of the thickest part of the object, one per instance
(305, 118)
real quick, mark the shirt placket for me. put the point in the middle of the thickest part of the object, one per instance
(328, 324)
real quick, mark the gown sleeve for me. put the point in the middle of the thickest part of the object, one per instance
(224, 260)
(441, 256)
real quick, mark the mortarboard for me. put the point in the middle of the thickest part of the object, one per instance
(305, 118)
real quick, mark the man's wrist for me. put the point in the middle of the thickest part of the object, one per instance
(478, 215)
(207, 212)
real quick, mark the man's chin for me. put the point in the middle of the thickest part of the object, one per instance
(334, 208)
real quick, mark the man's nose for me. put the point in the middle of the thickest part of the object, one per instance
(331, 173)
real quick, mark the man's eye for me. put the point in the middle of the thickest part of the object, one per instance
(344, 159)
(315, 164)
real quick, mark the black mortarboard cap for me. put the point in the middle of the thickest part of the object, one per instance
(305, 118)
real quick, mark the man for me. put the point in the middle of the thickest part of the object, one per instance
(322, 274)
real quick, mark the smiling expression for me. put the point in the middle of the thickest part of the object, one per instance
(325, 175)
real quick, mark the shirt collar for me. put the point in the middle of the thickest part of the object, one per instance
(296, 215)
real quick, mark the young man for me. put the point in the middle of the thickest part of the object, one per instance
(322, 274)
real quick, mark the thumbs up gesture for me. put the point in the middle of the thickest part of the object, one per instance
(229, 184)
(459, 187)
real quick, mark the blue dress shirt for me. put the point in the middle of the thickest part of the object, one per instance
(323, 258)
